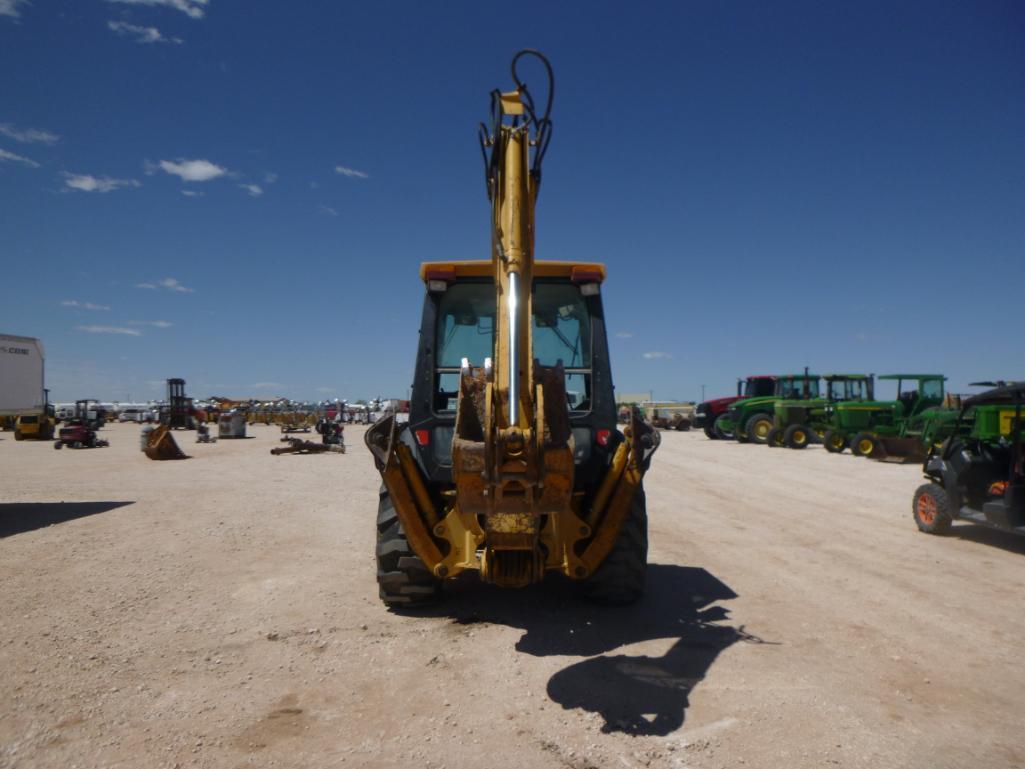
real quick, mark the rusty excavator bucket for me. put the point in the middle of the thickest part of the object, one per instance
(161, 445)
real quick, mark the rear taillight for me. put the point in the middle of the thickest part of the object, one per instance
(423, 437)
(602, 436)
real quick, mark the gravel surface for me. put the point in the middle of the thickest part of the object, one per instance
(222, 612)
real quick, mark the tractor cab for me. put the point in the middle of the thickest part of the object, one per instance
(917, 392)
(849, 387)
(568, 327)
(978, 473)
(756, 386)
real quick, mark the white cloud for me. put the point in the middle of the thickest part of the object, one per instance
(624, 334)
(171, 284)
(83, 305)
(10, 8)
(254, 190)
(194, 9)
(656, 354)
(270, 178)
(6, 156)
(141, 34)
(193, 170)
(327, 210)
(87, 183)
(192, 194)
(352, 173)
(155, 323)
(109, 330)
(28, 135)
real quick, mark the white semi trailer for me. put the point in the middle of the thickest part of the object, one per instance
(21, 375)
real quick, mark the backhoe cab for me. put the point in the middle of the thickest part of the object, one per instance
(511, 464)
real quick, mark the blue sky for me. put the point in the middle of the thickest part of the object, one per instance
(772, 185)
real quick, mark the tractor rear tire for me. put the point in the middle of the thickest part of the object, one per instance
(797, 437)
(775, 438)
(835, 443)
(402, 578)
(931, 509)
(721, 433)
(758, 427)
(865, 445)
(17, 435)
(58, 444)
(709, 429)
(619, 580)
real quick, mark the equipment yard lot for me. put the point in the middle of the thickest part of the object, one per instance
(222, 612)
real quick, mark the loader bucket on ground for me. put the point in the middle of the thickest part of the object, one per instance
(901, 450)
(162, 445)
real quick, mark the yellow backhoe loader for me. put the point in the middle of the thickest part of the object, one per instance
(511, 463)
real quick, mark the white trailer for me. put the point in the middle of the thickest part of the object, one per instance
(21, 375)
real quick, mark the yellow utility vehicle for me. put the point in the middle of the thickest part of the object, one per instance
(511, 464)
(40, 426)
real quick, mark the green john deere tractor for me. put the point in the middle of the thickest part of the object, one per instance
(978, 474)
(872, 427)
(750, 419)
(797, 423)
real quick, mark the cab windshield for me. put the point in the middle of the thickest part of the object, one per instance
(757, 388)
(798, 388)
(848, 390)
(561, 331)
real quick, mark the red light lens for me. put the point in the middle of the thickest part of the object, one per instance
(441, 273)
(423, 437)
(603, 437)
(585, 275)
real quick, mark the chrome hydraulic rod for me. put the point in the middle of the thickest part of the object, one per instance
(514, 330)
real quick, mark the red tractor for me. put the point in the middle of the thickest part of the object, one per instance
(79, 432)
(753, 387)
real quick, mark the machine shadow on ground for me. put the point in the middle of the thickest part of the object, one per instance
(20, 517)
(983, 535)
(636, 695)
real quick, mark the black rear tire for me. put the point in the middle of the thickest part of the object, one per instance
(797, 437)
(775, 438)
(930, 508)
(864, 445)
(834, 442)
(402, 578)
(710, 431)
(758, 427)
(620, 578)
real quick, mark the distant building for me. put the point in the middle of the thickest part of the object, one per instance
(623, 399)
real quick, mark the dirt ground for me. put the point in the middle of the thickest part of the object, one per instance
(222, 612)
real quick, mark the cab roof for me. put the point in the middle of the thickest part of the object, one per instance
(913, 376)
(579, 272)
(1010, 393)
(848, 376)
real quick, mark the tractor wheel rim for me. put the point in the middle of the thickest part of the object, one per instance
(800, 437)
(927, 509)
(837, 442)
(865, 446)
(762, 429)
